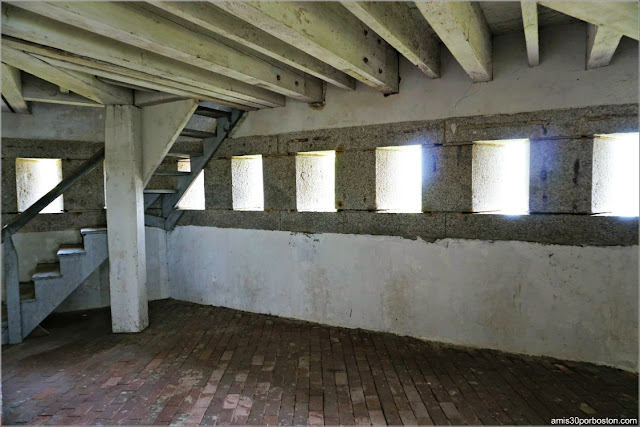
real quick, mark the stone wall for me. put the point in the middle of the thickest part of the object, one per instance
(560, 185)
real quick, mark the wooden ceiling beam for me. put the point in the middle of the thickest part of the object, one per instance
(218, 21)
(83, 84)
(530, 23)
(601, 45)
(328, 32)
(38, 90)
(417, 42)
(462, 28)
(12, 89)
(618, 16)
(128, 23)
(68, 43)
(127, 80)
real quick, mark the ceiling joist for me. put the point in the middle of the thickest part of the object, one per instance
(38, 90)
(326, 31)
(462, 28)
(132, 25)
(60, 41)
(416, 42)
(530, 24)
(126, 80)
(83, 84)
(12, 89)
(218, 21)
(601, 45)
(618, 16)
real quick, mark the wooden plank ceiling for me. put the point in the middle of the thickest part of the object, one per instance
(253, 55)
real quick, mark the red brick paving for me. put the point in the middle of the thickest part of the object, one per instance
(201, 365)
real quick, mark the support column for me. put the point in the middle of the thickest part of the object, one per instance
(125, 218)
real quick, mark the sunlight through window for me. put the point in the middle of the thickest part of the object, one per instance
(34, 179)
(247, 185)
(616, 174)
(399, 179)
(193, 198)
(501, 176)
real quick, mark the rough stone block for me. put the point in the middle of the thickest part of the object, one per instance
(447, 178)
(561, 176)
(61, 221)
(363, 137)
(217, 184)
(565, 229)
(356, 180)
(9, 194)
(608, 119)
(88, 192)
(48, 149)
(497, 127)
(250, 220)
(279, 182)
(264, 145)
(560, 123)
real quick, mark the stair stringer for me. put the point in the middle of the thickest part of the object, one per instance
(74, 269)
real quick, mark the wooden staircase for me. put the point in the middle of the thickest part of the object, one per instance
(52, 283)
(27, 304)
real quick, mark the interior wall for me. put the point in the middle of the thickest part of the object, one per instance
(560, 81)
(570, 302)
(559, 282)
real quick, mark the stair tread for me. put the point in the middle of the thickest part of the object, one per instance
(210, 112)
(27, 293)
(194, 133)
(92, 230)
(172, 173)
(161, 191)
(184, 154)
(45, 271)
(72, 249)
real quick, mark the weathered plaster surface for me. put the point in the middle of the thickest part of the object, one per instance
(571, 302)
(560, 81)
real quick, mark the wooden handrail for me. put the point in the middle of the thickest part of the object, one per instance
(44, 201)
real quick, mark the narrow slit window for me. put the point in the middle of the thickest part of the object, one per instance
(616, 174)
(399, 179)
(193, 198)
(246, 183)
(34, 179)
(500, 176)
(316, 181)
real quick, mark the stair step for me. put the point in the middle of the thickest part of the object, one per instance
(95, 230)
(184, 154)
(47, 271)
(193, 133)
(172, 173)
(161, 191)
(77, 249)
(27, 291)
(210, 112)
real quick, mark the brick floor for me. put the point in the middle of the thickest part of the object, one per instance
(209, 365)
